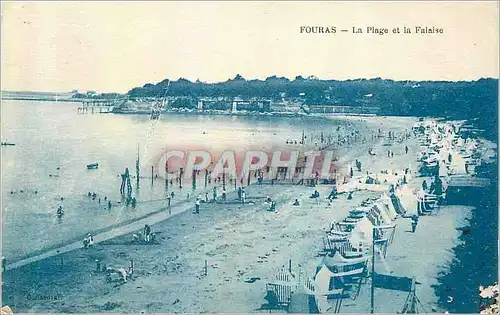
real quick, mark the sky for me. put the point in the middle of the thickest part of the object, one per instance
(115, 46)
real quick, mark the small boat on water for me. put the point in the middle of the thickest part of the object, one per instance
(93, 166)
(7, 143)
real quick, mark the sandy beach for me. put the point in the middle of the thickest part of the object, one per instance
(238, 242)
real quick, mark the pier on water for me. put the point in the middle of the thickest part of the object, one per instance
(96, 107)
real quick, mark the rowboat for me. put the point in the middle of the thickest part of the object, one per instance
(92, 166)
(7, 143)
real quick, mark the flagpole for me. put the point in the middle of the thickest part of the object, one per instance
(373, 273)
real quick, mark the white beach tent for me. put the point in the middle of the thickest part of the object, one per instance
(408, 201)
(443, 169)
(457, 165)
(362, 232)
(388, 206)
(380, 208)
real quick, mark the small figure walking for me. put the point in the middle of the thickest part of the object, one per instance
(414, 223)
(197, 206)
(406, 149)
(424, 185)
(243, 196)
(147, 233)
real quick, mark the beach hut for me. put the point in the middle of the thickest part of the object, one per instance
(388, 205)
(362, 232)
(457, 165)
(407, 201)
(380, 208)
(340, 266)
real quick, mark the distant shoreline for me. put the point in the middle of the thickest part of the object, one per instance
(41, 99)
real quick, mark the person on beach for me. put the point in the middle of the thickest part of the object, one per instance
(349, 197)
(197, 206)
(239, 193)
(315, 196)
(388, 153)
(414, 223)
(243, 196)
(351, 172)
(272, 206)
(109, 204)
(147, 233)
(406, 149)
(88, 241)
(333, 193)
(224, 194)
(206, 197)
(432, 187)
(60, 211)
(424, 185)
(214, 194)
(296, 202)
(172, 194)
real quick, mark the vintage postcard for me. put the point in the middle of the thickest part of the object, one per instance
(249, 157)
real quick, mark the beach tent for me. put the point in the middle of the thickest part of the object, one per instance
(408, 201)
(457, 165)
(324, 282)
(382, 209)
(388, 206)
(362, 232)
(443, 169)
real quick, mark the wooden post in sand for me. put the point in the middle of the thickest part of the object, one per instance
(137, 166)
(372, 300)
(194, 180)
(166, 175)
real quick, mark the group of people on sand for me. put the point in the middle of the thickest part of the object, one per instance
(199, 200)
(147, 235)
(88, 241)
(94, 197)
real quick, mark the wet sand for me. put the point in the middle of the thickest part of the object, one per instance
(237, 241)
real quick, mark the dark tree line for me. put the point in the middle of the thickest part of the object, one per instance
(456, 100)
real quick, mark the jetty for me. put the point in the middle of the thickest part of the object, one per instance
(96, 106)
